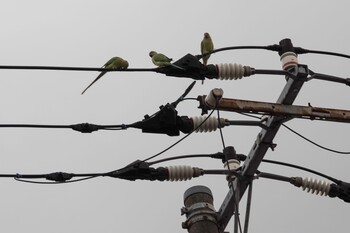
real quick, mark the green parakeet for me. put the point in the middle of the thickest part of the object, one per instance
(206, 47)
(161, 60)
(113, 63)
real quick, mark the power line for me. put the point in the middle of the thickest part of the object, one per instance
(314, 143)
(303, 169)
(303, 137)
(302, 51)
(68, 68)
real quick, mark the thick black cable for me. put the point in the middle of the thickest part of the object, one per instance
(233, 48)
(65, 68)
(324, 53)
(273, 176)
(35, 126)
(274, 72)
(221, 172)
(181, 157)
(74, 127)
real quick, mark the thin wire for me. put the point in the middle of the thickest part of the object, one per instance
(235, 192)
(314, 143)
(249, 115)
(220, 130)
(302, 168)
(303, 137)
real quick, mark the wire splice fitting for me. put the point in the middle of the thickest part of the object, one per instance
(85, 127)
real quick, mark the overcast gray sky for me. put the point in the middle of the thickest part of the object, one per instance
(88, 33)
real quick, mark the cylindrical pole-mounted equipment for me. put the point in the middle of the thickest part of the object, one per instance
(200, 212)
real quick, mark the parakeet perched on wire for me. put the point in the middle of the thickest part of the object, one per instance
(161, 60)
(113, 63)
(206, 47)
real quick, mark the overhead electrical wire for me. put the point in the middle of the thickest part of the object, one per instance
(82, 127)
(66, 68)
(303, 137)
(277, 48)
(303, 51)
(62, 177)
(303, 169)
(233, 48)
(314, 143)
(235, 191)
(55, 182)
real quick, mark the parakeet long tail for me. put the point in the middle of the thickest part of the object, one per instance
(98, 77)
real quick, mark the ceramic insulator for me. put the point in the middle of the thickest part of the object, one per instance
(233, 71)
(316, 186)
(289, 59)
(180, 173)
(211, 124)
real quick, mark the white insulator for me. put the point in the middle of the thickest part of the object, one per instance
(213, 98)
(316, 186)
(211, 124)
(289, 59)
(180, 173)
(230, 71)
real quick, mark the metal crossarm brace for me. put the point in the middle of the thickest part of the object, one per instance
(288, 111)
(263, 142)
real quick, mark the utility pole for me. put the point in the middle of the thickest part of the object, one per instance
(263, 142)
(265, 138)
